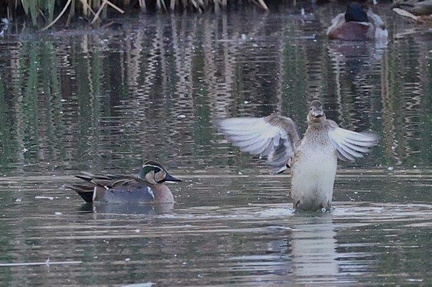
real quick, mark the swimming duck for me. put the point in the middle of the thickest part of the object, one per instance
(312, 159)
(147, 186)
(357, 24)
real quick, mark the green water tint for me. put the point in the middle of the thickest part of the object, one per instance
(108, 100)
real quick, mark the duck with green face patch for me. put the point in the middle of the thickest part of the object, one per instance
(312, 159)
(147, 187)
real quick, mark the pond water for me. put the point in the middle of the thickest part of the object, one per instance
(151, 87)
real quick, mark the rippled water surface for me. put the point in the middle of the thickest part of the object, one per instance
(152, 88)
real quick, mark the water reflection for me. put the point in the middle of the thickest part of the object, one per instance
(113, 90)
(106, 101)
(313, 248)
(108, 92)
(238, 230)
(144, 209)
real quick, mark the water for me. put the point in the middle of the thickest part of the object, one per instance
(106, 100)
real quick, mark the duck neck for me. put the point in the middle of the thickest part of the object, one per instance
(315, 126)
(162, 194)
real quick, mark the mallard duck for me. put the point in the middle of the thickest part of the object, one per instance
(147, 186)
(357, 24)
(312, 159)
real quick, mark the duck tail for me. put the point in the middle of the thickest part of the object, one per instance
(85, 191)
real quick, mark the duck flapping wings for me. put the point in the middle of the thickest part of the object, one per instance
(276, 137)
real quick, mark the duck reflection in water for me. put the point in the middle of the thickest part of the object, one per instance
(358, 23)
(107, 191)
(313, 250)
(312, 159)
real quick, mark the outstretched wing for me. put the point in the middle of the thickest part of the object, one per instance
(274, 137)
(349, 144)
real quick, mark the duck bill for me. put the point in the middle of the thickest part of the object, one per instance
(169, 177)
(318, 114)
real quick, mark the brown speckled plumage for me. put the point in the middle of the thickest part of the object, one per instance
(313, 159)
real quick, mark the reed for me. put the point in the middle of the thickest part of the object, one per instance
(46, 13)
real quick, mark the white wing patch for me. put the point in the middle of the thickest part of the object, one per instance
(150, 191)
(351, 145)
(259, 137)
(252, 135)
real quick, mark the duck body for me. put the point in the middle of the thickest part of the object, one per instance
(351, 31)
(134, 192)
(147, 187)
(312, 159)
(357, 24)
(313, 171)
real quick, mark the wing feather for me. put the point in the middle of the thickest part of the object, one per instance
(274, 137)
(350, 144)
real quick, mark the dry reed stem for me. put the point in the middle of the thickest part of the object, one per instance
(113, 6)
(405, 14)
(424, 19)
(142, 5)
(161, 5)
(105, 2)
(261, 3)
(71, 13)
(86, 7)
(58, 17)
(96, 16)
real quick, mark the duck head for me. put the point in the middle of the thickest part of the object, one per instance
(355, 13)
(316, 114)
(155, 173)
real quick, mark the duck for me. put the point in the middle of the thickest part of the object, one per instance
(418, 11)
(358, 23)
(148, 186)
(311, 159)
